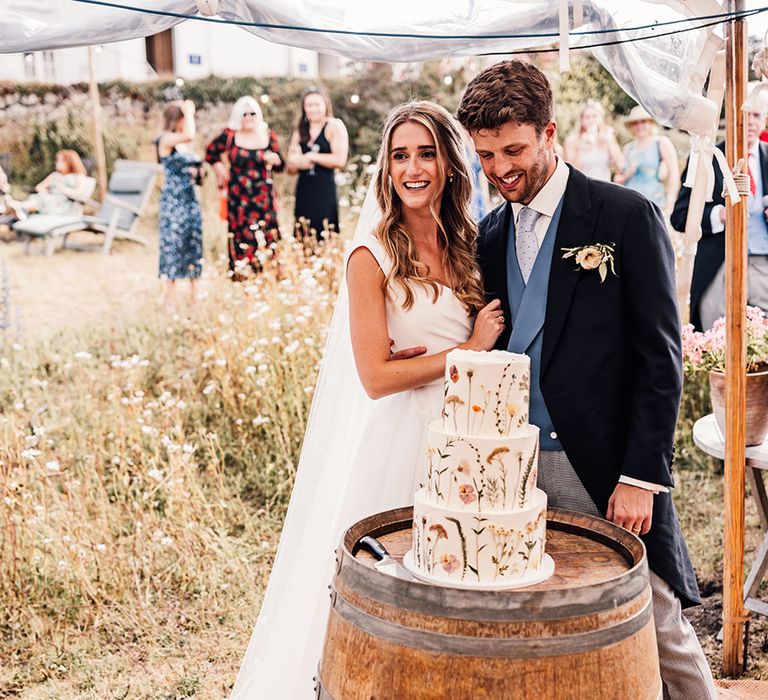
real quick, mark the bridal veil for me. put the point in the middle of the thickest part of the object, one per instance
(284, 650)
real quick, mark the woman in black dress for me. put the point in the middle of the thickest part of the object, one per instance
(253, 154)
(319, 146)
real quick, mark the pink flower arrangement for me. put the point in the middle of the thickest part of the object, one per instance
(706, 351)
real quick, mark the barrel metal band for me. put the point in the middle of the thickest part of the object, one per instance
(492, 647)
(322, 694)
(529, 606)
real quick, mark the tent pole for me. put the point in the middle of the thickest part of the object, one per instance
(98, 139)
(735, 618)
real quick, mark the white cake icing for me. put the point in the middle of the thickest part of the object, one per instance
(481, 473)
(486, 393)
(471, 546)
(479, 517)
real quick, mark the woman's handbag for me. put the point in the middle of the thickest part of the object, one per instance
(223, 194)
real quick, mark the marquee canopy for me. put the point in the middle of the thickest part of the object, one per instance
(655, 49)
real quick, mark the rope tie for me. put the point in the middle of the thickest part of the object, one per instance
(702, 152)
(740, 179)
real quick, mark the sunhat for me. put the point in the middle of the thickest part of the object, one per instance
(638, 114)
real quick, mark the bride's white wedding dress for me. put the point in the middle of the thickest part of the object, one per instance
(359, 457)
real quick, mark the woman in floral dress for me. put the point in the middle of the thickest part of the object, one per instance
(253, 153)
(181, 226)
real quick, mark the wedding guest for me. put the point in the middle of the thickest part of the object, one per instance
(607, 417)
(481, 198)
(5, 187)
(412, 277)
(59, 192)
(7, 213)
(593, 148)
(651, 162)
(707, 301)
(319, 146)
(181, 237)
(252, 152)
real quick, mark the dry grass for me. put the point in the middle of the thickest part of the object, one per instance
(144, 469)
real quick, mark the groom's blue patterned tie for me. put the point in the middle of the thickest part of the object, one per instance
(526, 245)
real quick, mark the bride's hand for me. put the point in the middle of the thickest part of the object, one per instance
(489, 325)
(406, 353)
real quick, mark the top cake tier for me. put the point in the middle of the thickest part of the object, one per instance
(486, 393)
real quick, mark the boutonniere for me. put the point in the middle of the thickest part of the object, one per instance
(597, 256)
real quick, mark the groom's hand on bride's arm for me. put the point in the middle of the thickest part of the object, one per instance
(407, 353)
(631, 507)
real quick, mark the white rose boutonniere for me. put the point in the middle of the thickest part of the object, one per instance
(598, 256)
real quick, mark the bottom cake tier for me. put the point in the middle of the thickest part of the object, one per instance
(456, 545)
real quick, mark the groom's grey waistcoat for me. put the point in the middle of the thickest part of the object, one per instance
(528, 309)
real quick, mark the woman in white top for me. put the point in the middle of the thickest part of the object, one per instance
(593, 149)
(414, 285)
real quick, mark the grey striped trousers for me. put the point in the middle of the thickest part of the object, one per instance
(685, 673)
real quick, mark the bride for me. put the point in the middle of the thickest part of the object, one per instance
(414, 293)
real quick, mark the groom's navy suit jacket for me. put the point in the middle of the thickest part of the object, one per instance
(611, 360)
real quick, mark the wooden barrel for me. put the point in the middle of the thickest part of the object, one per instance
(587, 632)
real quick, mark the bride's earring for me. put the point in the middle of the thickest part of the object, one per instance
(450, 178)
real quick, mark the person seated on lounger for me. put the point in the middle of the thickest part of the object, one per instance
(59, 192)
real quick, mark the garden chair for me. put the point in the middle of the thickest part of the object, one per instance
(128, 193)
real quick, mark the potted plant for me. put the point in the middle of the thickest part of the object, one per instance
(705, 352)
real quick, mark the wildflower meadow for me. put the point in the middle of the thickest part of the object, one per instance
(143, 476)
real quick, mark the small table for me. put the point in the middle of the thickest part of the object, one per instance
(709, 438)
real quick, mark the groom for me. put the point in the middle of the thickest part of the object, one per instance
(585, 274)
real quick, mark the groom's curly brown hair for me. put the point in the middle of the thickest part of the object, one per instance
(510, 91)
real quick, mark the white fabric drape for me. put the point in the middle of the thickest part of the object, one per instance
(663, 73)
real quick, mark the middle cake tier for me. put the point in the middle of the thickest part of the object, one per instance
(481, 474)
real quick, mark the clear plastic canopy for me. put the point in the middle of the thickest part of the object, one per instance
(654, 49)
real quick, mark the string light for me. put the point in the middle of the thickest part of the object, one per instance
(354, 99)
(264, 98)
(179, 82)
(448, 80)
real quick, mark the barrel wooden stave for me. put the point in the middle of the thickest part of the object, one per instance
(475, 628)
(389, 638)
(388, 671)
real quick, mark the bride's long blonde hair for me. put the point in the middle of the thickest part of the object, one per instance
(457, 232)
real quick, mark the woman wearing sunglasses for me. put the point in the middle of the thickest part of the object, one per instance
(253, 153)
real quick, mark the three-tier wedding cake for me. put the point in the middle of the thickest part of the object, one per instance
(479, 518)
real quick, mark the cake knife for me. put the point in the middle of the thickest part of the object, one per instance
(386, 564)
